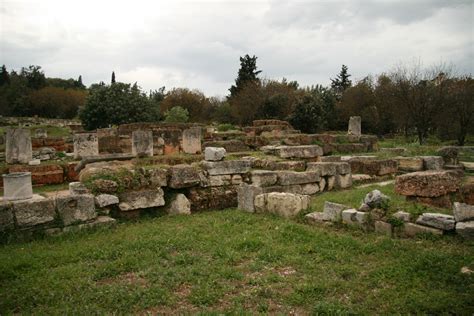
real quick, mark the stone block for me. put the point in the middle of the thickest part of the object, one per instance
(135, 200)
(263, 178)
(192, 140)
(437, 220)
(354, 127)
(305, 151)
(409, 164)
(282, 204)
(294, 177)
(157, 177)
(179, 205)
(231, 146)
(428, 183)
(7, 221)
(343, 181)
(246, 196)
(316, 217)
(17, 186)
(411, 230)
(333, 211)
(183, 176)
(432, 162)
(349, 216)
(463, 212)
(18, 147)
(212, 198)
(383, 228)
(331, 182)
(324, 168)
(100, 221)
(465, 230)
(371, 166)
(322, 184)
(34, 212)
(214, 168)
(376, 199)
(77, 188)
(214, 153)
(142, 143)
(403, 216)
(74, 209)
(104, 200)
(85, 145)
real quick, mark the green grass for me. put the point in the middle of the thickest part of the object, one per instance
(232, 261)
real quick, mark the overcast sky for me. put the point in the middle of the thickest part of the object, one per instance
(197, 44)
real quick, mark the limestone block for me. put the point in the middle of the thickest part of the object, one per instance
(333, 211)
(135, 200)
(246, 196)
(103, 200)
(305, 151)
(322, 184)
(263, 178)
(383, 228)
(6, 217)
(376, 199)
(428, 183)
(142, 143)
(214, 168)
(324, 168)
(85, 145)
(343, 181)
(283, 204)
(466, 230)
(432, 162)
(437, 220)
(214, 153)
(192, 140)
(76, 208)
(18, 146)
(34, 212)
(403, 216)
(179, 205)
(410, 163)
(331, 182)
(77, 188)
(463, 212)
(17, 186)
(294, 177)
(354, 127)
(316, 217)
(183, 176)
(411, 230)
(342, 167)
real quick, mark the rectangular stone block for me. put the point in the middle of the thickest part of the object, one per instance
(6, 217)
(246, 195)
(136, 200)
(305, 151)
(73, 209)
(463, 212)
(34, 212)
(411, 230)
(428, 183)
(282, 204)
(324, 168)
(18, 147)
(294, 177)
(343, 181)
(183, 176)
(226, 167)
(465, 230)
(142, 143)
(263, 178)
(437, 220)
(85, 145)
(333, 211)
(383, 228)
(192, 140)
(410, 164)
(354, 127)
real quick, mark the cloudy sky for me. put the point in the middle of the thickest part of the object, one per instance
(197, 44)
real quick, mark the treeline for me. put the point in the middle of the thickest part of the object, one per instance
(29, 93)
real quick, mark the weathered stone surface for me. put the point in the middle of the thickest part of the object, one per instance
(6, 217)
(34, 212)
(105, 186)
(17, 186)
(183, 176)
(354, 127)
(283, 204)
(331, 182)
(343, 181)
(221, 180)
(134, 200)
(409, 164)
(278, 165)
(443, 201)
(324, 168)
(383, 228)
(231, 146)
(18, 147)
(370, 166)
(376, 199)
(77, 188)
(322, 184)
(463, 212)
(157, 177)
(103, 200)
(306, 151)
(226, 167)
(34, 162)
(354, 217)
(246, 196)
(333, 211)
(293, 177)
(316, 217)
(179, 205)
(437, 220)
(192, 140)
(403, 216)
(263, 178)
(85, 145)
(432, 162)
(100, 221)
(449, 154)
(41, 133)
(465, 230)
(142, 143)
(214, 153)
(411, 230)
(213, 198)
(76, 208)
(428, 183)
(330, 159)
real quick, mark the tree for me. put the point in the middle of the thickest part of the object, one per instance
(56, 102)
(247, 73)
(341, 82)
(79, 83)
(34, 76)
(308, 114)
(4, 76)
(176, 114)
(118, 103)
(194, 101)
(113, 78)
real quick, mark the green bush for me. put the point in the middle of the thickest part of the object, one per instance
(176, 114)
(225, 127)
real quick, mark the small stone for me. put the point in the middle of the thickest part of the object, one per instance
(463, 212)
(376, 199)
(135, 200)
(364, 207)
(263, 178)
(179, 205)
(105, 186)
(34, 162)
(403, 216)
(283, 204)
(411, 230)
(343, 181)
(76, 208)
(316, 217)
(322, 184)
(214, 153)
(333, 211)
(77, 188)
(383, 228)
(466, 230)
(103, 200)
(246, 196)
(437, 220)
(349, 216)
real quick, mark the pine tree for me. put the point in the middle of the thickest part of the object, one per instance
(4, 76)
(113, 77)
(247, 72)
(341, 82)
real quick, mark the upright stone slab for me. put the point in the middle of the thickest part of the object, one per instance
(354, 126)
(85, 145)
(18, 146)
(17, 186)
(142, 143)
(192, 140)
(246, 196)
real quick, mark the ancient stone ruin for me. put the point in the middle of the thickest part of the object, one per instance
(18, 146)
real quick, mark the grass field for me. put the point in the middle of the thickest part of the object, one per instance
(231, 261)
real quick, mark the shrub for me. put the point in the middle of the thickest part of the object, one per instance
(176, 114)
